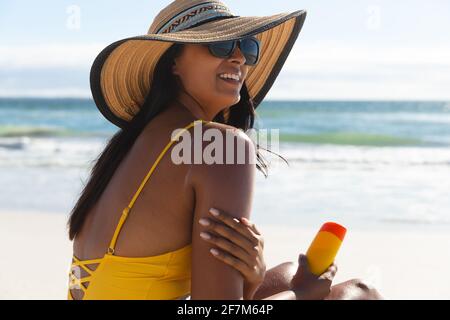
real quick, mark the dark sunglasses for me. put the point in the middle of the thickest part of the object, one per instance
(248, 46)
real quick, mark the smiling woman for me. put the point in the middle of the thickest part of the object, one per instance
(150, 88)
(141, 227)
(198, 62)
(204, 81)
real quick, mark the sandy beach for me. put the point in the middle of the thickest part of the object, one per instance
(402, 265)
(351, 119)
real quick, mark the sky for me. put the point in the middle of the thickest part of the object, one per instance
(347, 50)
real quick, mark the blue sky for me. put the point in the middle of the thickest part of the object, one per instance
(347, 49)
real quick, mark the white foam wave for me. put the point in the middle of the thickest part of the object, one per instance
(366, 155)
(49, 152)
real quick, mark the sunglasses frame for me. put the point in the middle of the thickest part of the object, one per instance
(235, 44)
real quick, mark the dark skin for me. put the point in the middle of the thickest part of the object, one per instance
(147, 232)
(211, 95)
(200, 81)
(241, 245)
(196, 189)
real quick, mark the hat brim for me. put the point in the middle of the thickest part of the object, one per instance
(120, 75)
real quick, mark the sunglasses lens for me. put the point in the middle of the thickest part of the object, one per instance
(221, 49)
(250, 49)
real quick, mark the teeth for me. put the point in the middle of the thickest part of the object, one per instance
(229, 76)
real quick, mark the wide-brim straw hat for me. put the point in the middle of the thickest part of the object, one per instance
(122, 73)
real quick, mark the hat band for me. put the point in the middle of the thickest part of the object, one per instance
(195, 15)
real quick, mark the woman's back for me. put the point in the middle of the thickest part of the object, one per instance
(158, 229)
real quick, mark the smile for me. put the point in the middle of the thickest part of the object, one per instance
(231, 81)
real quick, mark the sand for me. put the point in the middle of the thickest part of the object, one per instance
(401, 264)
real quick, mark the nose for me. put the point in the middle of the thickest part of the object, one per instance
(237, 56)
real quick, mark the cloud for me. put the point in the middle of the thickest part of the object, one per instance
(46, 93)
(48, 56)
(50, 70)
(331, 71)
(313, 71)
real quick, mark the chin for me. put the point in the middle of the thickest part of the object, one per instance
(235, 100)
(230, 101)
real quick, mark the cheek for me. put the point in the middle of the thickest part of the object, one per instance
(245, 70)
(207, 77)
(207, 68)
(203, 77)
(200, 70)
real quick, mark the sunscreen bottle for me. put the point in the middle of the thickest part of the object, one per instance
(323, 249)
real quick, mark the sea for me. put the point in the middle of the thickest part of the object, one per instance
(374, 164)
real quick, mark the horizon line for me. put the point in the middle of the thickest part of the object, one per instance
(265, 100)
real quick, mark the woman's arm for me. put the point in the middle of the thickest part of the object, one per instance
(241, 245)
(230, 188)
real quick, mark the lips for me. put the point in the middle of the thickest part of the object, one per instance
(231, 81)
(236, 72)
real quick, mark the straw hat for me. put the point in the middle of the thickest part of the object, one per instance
(121, 74)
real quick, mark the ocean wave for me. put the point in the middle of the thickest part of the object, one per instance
(364, 155)
(10, 131)
(350, 138)
(68, 151)
(31, 131)
(49, 152)
(14, 144)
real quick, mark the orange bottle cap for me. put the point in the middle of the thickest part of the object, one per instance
(334, 228)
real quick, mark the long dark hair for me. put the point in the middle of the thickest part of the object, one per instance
(164, 85)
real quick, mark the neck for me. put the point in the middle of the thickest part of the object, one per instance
(194, 107)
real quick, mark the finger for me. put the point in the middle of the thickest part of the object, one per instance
(231, 235)
(229, 247)
(330, 273)
(231, 260)
(234, 223)
(334, 266)
(303, 261)
(251, 225)
(304, 267)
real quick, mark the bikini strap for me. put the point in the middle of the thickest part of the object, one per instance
(126, 211)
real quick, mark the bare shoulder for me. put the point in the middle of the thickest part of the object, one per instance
(226, 185)
(227, 129)
(220, 151)
(235, 145)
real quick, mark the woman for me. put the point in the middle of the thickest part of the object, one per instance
(140, 238)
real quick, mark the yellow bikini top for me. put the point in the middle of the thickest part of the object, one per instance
(165, 276)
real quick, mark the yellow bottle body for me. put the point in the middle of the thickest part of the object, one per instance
(324, 247)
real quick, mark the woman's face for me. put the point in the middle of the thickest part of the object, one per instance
(199, 73)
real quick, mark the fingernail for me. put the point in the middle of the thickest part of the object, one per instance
(203, 222)
(214, 251)
(205, 235)
(214, 212)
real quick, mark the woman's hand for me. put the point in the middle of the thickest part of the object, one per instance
(307, 285)
(238, 244)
